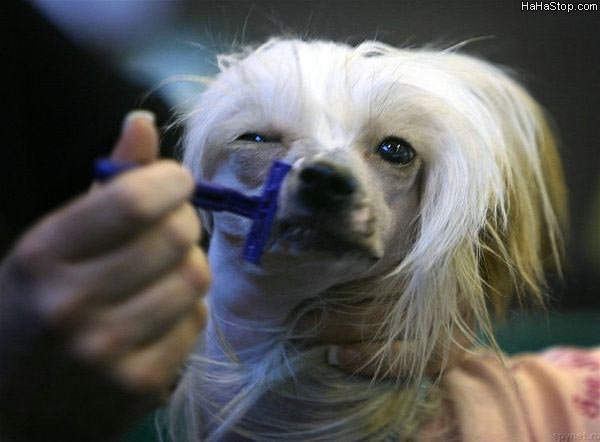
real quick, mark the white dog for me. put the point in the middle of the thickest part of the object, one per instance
(425, 184)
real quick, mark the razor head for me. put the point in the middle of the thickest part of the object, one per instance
(264, 213)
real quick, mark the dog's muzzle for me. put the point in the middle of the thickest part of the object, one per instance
(325, 210)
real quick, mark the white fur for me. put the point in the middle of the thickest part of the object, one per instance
(485, 193)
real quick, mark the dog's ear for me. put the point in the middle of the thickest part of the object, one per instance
(491, 219)
(520, 246)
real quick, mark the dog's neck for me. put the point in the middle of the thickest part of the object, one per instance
(251, 305)
(249, 309)
(246, 338)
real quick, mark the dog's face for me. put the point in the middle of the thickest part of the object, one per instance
(432, 166)
(358, 138)
(353, 192)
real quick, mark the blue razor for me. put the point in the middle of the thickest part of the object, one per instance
(260, 209)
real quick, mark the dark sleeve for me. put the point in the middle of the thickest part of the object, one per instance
(62, 108)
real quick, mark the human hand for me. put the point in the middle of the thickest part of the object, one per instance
(100, 301)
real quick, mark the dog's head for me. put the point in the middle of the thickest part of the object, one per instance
(429, 169)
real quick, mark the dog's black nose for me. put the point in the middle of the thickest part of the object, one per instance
(323, 185)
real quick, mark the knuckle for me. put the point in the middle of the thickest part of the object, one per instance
(194, 222)
(63, 312)
(176, 171)
(200, 315)
(99, 347)
(171, 166)
(145, 379)
(181, 230)
(132, 200)
(114, 341)
(195, 272)
(29, 258)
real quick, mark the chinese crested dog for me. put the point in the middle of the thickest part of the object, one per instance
(426, 192)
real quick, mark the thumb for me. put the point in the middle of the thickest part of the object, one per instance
(138, 142)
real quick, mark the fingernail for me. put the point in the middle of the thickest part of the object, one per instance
(333, 358)
(138, 114)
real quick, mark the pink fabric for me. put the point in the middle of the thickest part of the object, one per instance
(551, 396)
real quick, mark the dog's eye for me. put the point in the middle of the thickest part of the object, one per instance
(253, 137)
(396, 151)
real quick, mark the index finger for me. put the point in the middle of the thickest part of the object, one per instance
(115, 212)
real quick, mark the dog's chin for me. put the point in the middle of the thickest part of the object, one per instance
(302, 237)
